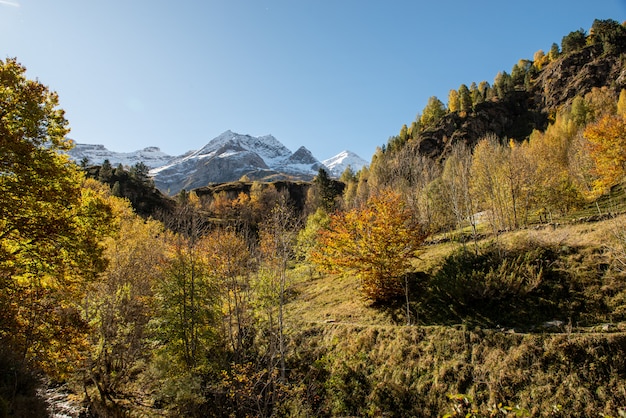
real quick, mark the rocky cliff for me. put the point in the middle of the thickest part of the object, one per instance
(522, 110)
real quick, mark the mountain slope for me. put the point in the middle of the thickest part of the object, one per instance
(230, 156)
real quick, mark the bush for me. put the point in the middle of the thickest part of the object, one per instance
(519, 287)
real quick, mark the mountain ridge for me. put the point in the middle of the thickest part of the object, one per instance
(228, 157)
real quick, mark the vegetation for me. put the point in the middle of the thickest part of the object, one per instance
(485, 278)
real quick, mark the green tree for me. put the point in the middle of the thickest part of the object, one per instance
(187, 294)
(465, 99)
(140, 172)
(106, 171)
(554, 52)
(574, 41)
(116, 190)
(503, 84)
(610, 34)
(475, 94)
(484, 88)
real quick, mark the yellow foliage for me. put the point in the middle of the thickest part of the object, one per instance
(376, 242)
(607, 146)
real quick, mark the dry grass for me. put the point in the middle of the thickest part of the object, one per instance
(333, 298)
(329, 298)
(362, 363)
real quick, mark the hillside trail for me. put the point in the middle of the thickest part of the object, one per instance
(606, 329)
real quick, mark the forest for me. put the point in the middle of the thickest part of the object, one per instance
(476, 268)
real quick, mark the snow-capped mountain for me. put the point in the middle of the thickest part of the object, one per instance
(96, 154)
(338, 164)
(229, 157)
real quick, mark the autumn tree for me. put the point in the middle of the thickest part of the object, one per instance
(49, 228)
(550, 155)
(432, 113)
(607, 146)
(621, 103)
(277, 236)
(453, 101)
(540, 59)
(488, 174)
(376, 242)
(230, 264)
(456, 185)
(120, 304)
(307, 237)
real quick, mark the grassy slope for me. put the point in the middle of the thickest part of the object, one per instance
(368, 363)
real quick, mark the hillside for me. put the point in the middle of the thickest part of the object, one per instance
(512, 107)
(477, 268)
(546, 355)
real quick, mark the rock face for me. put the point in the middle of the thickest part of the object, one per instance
(511, 118)
(576, 74)
(522, 111)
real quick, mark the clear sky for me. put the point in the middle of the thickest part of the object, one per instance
(327, 74)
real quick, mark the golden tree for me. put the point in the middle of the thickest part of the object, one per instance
(49, 227)
(121, 303)
(376, 242)
(607, 146)
(230, 262)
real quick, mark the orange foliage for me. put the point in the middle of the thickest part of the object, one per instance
(376, 242)
(607, 146)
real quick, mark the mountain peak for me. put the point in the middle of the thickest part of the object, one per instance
(230, 156)
(338, 164)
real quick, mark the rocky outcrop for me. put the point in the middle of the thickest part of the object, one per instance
(576, 74)
(514, 117)
(521, 111)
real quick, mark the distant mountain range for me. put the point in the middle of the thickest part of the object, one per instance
(228, 157)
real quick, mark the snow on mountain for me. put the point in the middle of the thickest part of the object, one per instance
(338, 164)
(96, 154)
(230, 156)
(267, 147)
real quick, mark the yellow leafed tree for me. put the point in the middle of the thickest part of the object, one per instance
(607, 146)
(375, 242)
(49, 227)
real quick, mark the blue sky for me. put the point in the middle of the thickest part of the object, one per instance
(327, 74)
